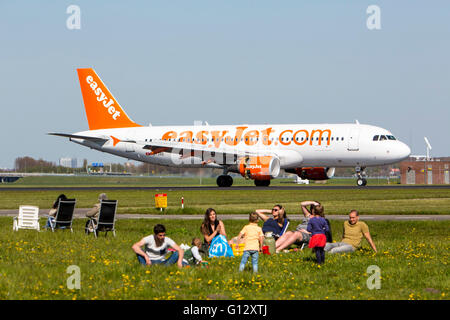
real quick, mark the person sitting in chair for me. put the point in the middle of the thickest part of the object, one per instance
(54, 210)
(93, 213)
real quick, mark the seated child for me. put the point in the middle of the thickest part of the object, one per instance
(192, 255)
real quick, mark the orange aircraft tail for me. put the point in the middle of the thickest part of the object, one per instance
(102, 109)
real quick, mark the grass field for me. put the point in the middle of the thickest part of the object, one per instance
(164, 181)
(412, 257)
(383, 201)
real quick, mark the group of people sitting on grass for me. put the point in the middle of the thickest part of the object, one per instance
(314, 231)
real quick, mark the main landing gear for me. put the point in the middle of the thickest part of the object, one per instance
(262, 183)
(360, 174)
(224, 181)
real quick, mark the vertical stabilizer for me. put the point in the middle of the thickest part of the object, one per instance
(102, 109)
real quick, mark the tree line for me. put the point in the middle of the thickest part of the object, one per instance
(30, 165)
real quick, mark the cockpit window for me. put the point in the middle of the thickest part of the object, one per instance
(391, 138)
(383, 138)
(375, 138)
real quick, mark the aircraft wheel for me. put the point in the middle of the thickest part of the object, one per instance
(361, 182)
(229, 181)
(224, 181)
(262, 183)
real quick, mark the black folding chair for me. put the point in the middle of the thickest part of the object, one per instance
(106, 218)
(64, 215)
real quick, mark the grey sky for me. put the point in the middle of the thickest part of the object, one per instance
(226, 62)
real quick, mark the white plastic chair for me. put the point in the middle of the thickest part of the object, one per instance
(28, 218)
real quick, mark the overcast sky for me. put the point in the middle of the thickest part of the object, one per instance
(225, 62)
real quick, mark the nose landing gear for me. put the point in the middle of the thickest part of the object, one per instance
(360, 174)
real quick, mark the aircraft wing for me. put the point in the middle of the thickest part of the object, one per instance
(187, 148)
(218, 155)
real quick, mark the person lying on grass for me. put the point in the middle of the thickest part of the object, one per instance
(354, 231)
(155, 250)
(300, 235)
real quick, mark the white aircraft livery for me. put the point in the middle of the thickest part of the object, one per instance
(258, 152)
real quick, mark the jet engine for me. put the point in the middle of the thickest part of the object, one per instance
(259, 168)
(313, 173)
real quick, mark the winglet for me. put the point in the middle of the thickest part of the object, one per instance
(102, 109)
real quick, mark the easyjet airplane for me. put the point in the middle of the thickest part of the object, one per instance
(258, 152)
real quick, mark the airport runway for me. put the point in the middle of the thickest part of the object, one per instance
(238, 188)
(80, 213)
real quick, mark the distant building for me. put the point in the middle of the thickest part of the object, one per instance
(68, 162)
(419, 170)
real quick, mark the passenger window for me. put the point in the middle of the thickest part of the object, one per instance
(383, 138)
(375, 138)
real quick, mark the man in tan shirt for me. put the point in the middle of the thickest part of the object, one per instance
(354, 231)
(93, 213)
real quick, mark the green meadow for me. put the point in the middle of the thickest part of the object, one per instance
(412, 259)
(367, 201)
(165, 181)
(412, 255)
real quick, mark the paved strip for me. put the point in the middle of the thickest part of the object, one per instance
(237, 188)
(81, 213)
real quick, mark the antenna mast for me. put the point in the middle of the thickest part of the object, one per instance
(428, 147)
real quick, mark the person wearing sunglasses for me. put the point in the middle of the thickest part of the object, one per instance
(277, 224)
(300, 236)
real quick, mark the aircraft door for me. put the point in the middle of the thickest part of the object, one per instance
(353, 139)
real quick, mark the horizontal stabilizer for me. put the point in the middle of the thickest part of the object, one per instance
(74, 136)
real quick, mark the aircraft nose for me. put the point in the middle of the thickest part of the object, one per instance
(403, 151)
